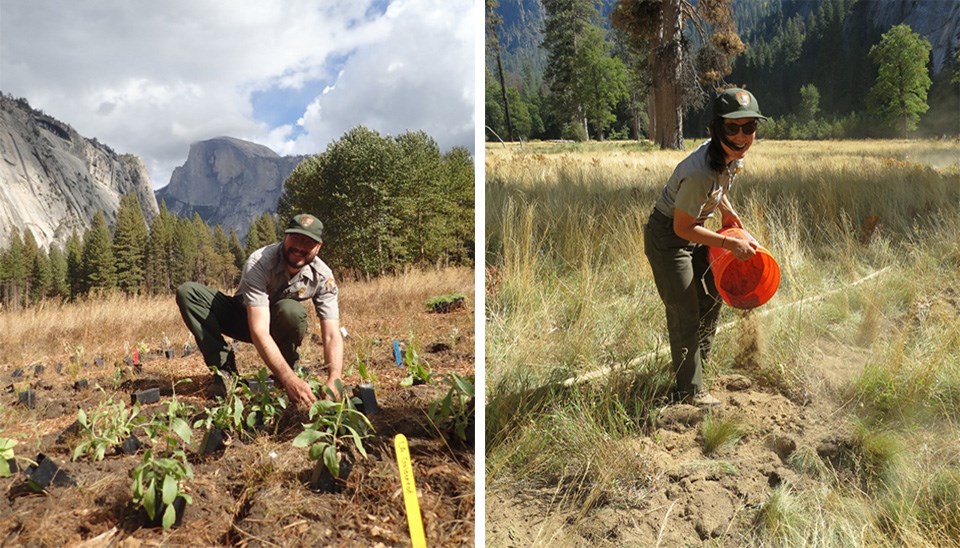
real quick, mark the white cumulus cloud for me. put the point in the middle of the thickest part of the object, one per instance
(150, 78)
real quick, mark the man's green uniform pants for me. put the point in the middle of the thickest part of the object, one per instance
(212, 314)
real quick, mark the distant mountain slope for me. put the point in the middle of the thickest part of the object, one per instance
(228, 181)
(53, 180)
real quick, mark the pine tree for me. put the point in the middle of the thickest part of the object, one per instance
(98, 263)
(59, 283)
(657, 27)
(263, 231)
(899, 95)
(13, 272)
(41, 276)
(236, 249)
(31, 252)
(384, 202)
(206, 269)
(186, 250)
(130, 245)
(226, 272)
(584, 80)
(76, 281)
(159, 264)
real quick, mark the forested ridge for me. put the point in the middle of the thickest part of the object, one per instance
(808, 62)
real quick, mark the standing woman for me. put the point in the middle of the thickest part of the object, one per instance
(676, 242)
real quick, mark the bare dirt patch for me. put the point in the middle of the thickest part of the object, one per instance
(694, 498)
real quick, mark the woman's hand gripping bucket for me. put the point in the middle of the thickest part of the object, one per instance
(744, 284)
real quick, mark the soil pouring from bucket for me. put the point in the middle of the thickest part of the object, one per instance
(744, 284)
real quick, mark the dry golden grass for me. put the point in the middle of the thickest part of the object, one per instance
(112, 326)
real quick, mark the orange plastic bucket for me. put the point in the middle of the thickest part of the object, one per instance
(744, 284)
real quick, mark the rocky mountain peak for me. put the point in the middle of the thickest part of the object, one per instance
(53, 180)
(228, 181)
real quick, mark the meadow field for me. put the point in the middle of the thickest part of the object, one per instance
(257, 489)
(840, 423)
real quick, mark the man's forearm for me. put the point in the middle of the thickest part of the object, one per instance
(270, 354)
(333, 356)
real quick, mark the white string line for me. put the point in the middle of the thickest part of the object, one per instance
(605, 370)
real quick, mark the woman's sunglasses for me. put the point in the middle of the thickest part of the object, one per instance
(732, 129)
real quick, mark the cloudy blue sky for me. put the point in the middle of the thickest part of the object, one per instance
(151, 77)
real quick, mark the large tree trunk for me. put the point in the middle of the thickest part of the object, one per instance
(665, 60)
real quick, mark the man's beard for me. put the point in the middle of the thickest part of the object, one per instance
(295, 261)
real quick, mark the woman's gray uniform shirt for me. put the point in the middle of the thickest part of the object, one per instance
(695, 188)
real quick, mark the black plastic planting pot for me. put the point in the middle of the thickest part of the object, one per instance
(150, 395)
(129, 446)
(323, 481)
(168, 353)
(27, 398)
(212, 442)
(81, 384)
(37, 370)
(179, 505)
(257, 387)
(368, 399)
(47, 473)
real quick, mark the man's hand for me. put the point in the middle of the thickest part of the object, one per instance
(299, 391)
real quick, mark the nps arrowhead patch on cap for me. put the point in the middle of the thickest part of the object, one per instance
(743, 98)
(306, 224)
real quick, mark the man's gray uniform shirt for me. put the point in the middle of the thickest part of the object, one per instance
(265, 281)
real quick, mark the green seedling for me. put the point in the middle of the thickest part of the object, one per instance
(227, 414)
(171, 427)
(265, 404)
(104, 428)
(6, 455)
(336, 422)
(455, 412)
(418, 371)
(158, 482)
(366, 375)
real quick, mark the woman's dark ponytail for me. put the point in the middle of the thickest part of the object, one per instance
(716, 157)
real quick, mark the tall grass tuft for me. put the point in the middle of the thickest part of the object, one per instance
(719, 432)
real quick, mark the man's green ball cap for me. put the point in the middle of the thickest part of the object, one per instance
(306, 224)
(737, 103)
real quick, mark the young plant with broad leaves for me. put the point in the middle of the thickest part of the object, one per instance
(265, 403)
(227, 415)
(171, 427)
(158, 482)
(418, 370)
(455, 411)
(6, 455)
(105, 428)
(336, 423)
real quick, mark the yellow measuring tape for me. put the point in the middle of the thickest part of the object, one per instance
(409, 491)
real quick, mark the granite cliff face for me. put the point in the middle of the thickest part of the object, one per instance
(229, 182)
(936, 20)
(53, 181)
